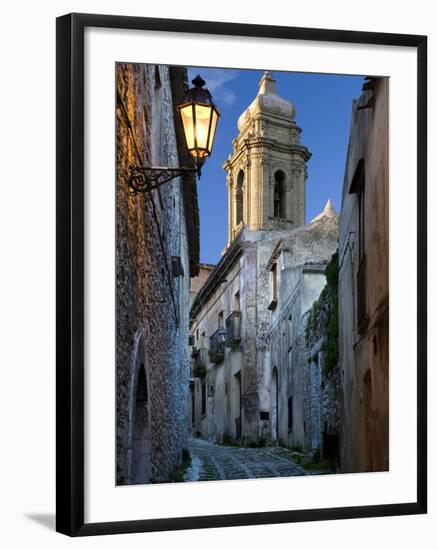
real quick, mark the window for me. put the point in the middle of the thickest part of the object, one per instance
(177, 267)
(237, 301)
(239, 198)
(157, 77)
(273, 275)
(220, 319)
(358, 187)
(274, 281)
(279, 195)
(361, 221)
(203, 398)
(156, 126)
(290, 419)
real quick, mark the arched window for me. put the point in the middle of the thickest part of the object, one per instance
(141, 435)
(239, 198)
(139, 415)
(279, 195)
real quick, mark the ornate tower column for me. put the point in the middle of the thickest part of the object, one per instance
(270, 161)
(230, 206)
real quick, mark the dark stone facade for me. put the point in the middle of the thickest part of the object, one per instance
(152, 361)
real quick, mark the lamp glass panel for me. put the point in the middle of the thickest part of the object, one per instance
(214, 117)
(187, 120)
(202, 124)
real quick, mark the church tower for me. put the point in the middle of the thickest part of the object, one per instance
(266, 172)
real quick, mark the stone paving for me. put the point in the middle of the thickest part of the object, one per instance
(211, 462)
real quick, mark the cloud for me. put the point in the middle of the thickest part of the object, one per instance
(227, 97)
(216, 81)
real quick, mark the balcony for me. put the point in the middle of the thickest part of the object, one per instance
(217, 346)
(232, 328)
(199, 362)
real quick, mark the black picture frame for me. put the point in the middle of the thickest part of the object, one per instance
(70, 273)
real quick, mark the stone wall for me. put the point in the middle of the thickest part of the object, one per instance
(222, 294)
(196, 283)
(152, 361)
(296, 352)
(320, 364)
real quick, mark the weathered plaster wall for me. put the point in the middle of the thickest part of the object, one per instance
(152, 305)
(364, 357)
(301, 262)
(320, 368)
(223, 392)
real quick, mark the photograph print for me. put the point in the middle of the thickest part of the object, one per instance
(252, 248)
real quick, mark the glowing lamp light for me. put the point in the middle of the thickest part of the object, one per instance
(199, 118)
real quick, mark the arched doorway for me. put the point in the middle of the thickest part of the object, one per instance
(368, 422)
(141, 421)
(274, 403)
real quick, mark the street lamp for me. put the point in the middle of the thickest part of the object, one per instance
(199, 118)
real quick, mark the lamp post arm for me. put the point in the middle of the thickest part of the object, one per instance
(143, 179)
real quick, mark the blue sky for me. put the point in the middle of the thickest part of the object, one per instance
(323, 104)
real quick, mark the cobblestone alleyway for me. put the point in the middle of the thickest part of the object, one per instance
(214, 462)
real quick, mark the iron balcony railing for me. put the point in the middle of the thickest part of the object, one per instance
(217, 346)
(199, 362)
(232, 328)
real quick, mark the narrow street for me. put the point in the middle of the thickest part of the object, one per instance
(212, 462)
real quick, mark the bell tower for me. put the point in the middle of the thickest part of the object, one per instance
(266, 171)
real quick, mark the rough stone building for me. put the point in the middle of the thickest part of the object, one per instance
(157, 251)
(299, 394)
(246, 318)
(198, 282)
(363, 284)
(316, 378)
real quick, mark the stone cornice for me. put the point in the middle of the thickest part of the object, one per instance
(270, 118)
(252, 143)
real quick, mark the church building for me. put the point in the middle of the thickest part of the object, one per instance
(250, 371)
